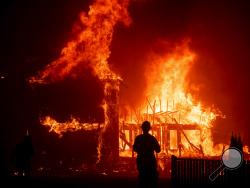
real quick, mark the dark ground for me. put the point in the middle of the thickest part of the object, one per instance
(89, 181)
(86, 181)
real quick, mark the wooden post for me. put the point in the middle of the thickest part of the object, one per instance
(154, 113)
(202, 171)
(161, 137)
(130, 136)
(174, 169)
(109, 138)
(179, 141)
(167, 140)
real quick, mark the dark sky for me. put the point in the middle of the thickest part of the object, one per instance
(33, 33)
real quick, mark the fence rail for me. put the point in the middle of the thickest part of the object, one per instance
(197, 171)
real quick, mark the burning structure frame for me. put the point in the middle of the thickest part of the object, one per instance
(169, 132)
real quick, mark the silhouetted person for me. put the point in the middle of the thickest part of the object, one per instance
(145, 146)
(23, 153)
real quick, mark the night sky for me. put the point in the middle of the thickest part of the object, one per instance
(33, 33)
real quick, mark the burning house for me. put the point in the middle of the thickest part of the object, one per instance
(181, 124)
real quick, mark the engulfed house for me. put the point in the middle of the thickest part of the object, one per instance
(174, 137)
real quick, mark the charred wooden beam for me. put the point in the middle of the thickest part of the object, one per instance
(109, 148)
(124, 139)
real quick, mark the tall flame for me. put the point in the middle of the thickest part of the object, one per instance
(89, 49)
(166, 75)
(91, 46)
(172, 109)
(167, 87)
(166, 82)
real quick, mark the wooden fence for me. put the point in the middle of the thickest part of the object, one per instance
(197, 171)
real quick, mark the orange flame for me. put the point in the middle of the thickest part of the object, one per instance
(91, 46)
(166, 82)
(166, 76)
(246, 149)
(89, 49)
(167, 87)
(69, 126)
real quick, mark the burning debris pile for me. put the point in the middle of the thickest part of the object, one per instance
(181, 124)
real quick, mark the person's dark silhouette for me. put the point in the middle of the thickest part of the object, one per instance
(145, 146)
(24, 152)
